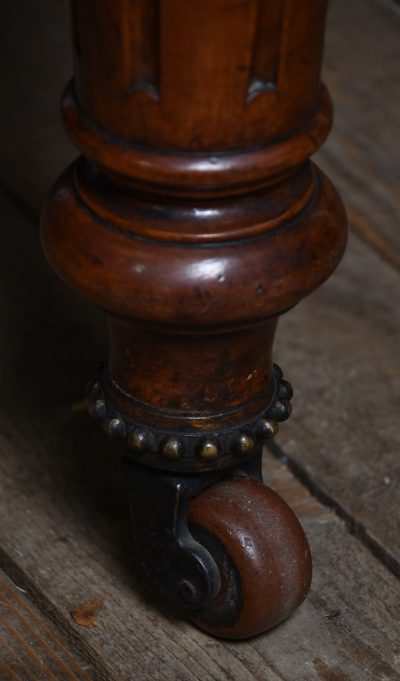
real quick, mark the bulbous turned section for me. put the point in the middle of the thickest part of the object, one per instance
(195, 212)
(104, 251)
(192, 324)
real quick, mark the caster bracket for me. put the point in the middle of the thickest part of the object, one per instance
(180, 568)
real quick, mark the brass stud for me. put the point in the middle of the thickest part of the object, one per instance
(138, 440)
(267, 428)
(94, 390)
(285, 390)
(289, 409)
(245, 443)
(209, 450)
(172, 448)
(97, 409)
(282, 410)
(114, 427)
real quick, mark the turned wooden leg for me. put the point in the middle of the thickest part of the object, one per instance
(194, 218)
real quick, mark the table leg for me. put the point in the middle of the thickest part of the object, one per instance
(194, 218)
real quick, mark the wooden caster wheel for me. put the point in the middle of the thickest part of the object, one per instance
(262, 554)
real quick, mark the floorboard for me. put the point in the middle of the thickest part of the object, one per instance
(65, 535)
(30, 648)
(340, 348)
(362, 71)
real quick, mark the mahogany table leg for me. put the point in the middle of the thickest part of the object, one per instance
(194, 218)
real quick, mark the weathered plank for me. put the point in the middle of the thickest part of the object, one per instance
(362, 70)
(341, 346)
(65, 534)
(30, 647)
(341, 350)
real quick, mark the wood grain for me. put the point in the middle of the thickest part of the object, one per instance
(30, 648)
(362, 70)
(340, 349)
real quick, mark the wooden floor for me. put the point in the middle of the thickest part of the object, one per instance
(64, 528)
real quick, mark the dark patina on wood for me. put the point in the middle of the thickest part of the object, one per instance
(194, 219)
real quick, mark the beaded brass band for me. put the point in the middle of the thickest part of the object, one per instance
(193, 450)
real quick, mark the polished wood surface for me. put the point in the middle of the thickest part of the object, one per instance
(231, 226)
(194, 219)
(198, 76)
